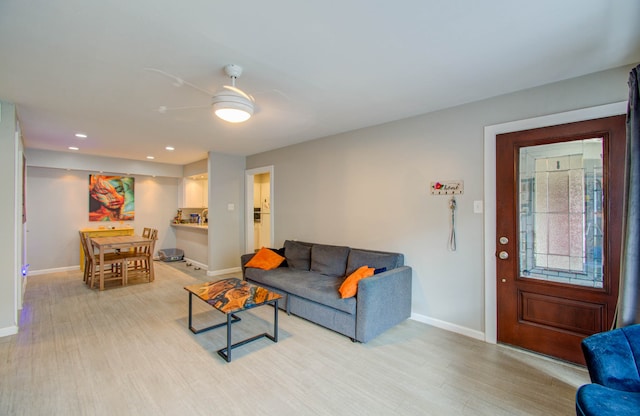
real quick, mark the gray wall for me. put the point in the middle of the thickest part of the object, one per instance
(11, 219)
(370, 188)
(226, 227)
(58, 204)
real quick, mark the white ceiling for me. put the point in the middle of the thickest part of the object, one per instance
(315, 68)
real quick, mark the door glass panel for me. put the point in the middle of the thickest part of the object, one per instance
(560, 203)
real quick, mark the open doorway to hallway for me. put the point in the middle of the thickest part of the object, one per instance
(259, 209)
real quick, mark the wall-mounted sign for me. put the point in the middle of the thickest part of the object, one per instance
(447, 188)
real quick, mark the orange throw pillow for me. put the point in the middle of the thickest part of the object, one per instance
(349, 287)
(265, 259)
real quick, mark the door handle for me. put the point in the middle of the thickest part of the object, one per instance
(503, 255)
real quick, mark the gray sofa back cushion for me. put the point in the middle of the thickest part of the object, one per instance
(375, 259)
(298, 255)
(329, 260)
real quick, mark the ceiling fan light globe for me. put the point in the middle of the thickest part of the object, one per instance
(232, 115)
(232, 107)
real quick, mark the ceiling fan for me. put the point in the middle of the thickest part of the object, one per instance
(230, 103)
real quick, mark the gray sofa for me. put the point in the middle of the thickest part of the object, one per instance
(311, 275)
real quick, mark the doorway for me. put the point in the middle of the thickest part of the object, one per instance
(559, 203)
(259, 208)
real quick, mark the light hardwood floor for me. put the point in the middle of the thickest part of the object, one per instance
(127, 351)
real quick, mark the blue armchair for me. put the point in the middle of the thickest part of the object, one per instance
(613, 361)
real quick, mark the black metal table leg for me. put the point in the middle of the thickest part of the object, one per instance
(197, 331)
(229, 338)
(226, 352)
(190, 303)
(275, 321)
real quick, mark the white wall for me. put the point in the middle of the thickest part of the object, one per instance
(370, 188)
(12, 220)
(58, 206)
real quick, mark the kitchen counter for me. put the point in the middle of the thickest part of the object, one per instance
(191, 226)
(193, 239)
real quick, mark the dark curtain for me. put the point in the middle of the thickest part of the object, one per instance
(629, 300)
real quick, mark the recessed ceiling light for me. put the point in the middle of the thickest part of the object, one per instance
(73, 148)
(81, 135)
(150, 157)
(170, 148)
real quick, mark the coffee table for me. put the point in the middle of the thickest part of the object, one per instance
(230, 296)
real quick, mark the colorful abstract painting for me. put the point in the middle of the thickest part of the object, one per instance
(111, 198)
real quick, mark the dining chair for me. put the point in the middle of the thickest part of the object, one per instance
(146, 233)
(85, 251)
(117, 261)
(139, 261)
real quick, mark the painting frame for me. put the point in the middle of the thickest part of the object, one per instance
(111, 198)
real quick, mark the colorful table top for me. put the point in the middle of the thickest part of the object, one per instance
(232, 295)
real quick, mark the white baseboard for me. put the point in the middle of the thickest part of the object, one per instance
(224, 271)
(10, 330)
(195, 263)
(213, 272)
(58, 269)
(447, 326)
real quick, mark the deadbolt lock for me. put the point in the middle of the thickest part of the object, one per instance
(504, 240)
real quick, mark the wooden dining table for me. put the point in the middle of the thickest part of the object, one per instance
(121, 242)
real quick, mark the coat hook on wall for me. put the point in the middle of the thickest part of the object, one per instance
(452, 225)
(452, 188)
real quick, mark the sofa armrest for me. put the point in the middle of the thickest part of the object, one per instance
(384, 300)
(244, 259)
(612, 358)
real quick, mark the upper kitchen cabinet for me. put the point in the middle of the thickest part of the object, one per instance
(196, 192)
(195, 185)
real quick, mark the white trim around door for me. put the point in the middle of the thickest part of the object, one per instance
(249, 235)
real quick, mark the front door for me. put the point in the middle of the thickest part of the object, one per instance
(559, 222)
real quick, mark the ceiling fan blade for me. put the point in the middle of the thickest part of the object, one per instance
(163, 108)
(239, 91)
(177, 81)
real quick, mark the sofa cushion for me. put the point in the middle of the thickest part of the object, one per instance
(321, 289)
(298, 255)
(265, 259)
(280, 251)
(312, 286)
(278, 278)
(375, 259)
(329, 260)
(349, 287)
